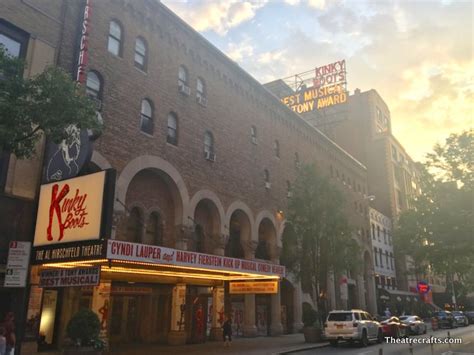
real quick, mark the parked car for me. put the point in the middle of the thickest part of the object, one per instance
(415, 324)
(470, 316)
(445, 319)
(460, 319)
(393, 327)
(353, 325)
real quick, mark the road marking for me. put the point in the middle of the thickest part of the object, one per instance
(366, 352)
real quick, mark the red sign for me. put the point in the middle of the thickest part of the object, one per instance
(423, 287)
(330, 74)
(119, 250)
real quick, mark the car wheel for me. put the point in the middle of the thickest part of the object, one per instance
(364, 341)
(380, 337)
(333, 342)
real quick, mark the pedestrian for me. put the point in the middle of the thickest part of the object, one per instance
(227, 331)
(3, 341)
(10, 337)
(387, 313)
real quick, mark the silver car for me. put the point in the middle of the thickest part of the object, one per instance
(353, 325)
(460, 319)
(415, 324)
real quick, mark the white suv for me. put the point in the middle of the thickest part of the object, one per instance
(352, 325)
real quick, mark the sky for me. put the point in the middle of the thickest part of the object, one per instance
(418, 55)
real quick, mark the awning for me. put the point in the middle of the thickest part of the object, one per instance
(150, 263)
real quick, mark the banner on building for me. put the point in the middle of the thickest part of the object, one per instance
(76, 277)
(253, 287)
(118, 250)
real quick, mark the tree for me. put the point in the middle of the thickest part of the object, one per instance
(43, 105)
(317, 238)
(438, 231)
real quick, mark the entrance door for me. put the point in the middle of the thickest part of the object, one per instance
(124, 319)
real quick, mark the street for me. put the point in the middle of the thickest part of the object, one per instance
(467, 347)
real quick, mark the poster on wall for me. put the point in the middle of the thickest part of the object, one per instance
(262, 320)
(34, 312)
(178, 308)
(101, 306)
(237, 318)
(48, 316)
(17, 264)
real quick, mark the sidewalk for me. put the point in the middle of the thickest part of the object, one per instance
(247, 346)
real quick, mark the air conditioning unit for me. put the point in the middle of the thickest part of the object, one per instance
(210, 156)
(201, 100)
(184, 89)
(267, 185)
(254, 140)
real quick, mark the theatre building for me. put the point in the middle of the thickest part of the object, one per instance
(187, 185)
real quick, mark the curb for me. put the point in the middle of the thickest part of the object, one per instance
(304, 348)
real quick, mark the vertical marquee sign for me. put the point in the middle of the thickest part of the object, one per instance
(65, 160)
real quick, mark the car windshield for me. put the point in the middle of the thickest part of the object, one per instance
(404, 317)
(458, 313)
(340, 317)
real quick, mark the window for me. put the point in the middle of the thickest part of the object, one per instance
(276, 148)
(183, 80)
(253, 134)
(208, 143)
(140, 54)
(384, 236)
(201, 97)
(288, 189)
(93, 85)
(375, 257)
(146, 117)
(266, 177)
(115, 38)
(13, 39)
(297, 160)
(134, 226)
(172, 135)
(373, 231)
(386, 259)
(389, 239)
(391, 261)
(154, 229)
(378, 233)
(381, 257)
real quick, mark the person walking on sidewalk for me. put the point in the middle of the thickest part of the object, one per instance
(227, 331)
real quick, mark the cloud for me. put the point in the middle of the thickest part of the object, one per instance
(218, 16)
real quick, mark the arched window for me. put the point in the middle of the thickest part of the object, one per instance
(266, 177)
(209, 149)
(199, 238)
(141, 54)
(115, 38)
(134, 226)
(146, 117)
(375, 257)
(154, 229)
(172, 135)
(253, 134)
(201, 96)
(262, 251)
(94, 85)
(276, 148)
(183, 80)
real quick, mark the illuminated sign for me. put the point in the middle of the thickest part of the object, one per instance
(84, 46)
(252, 287)
(328, 89)
(118, 250)
(88, 276)
(89, 250)
(70, 210)
(423, 287)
